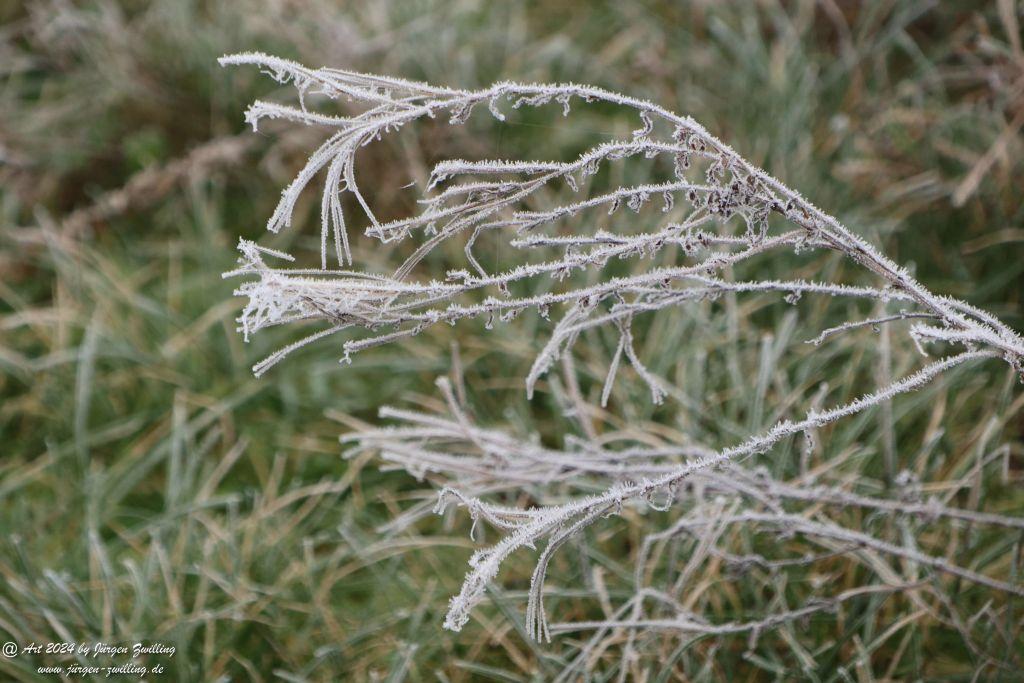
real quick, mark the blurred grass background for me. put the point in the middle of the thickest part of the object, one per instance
(151, 488)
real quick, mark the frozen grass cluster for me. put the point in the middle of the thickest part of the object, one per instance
(720, 212)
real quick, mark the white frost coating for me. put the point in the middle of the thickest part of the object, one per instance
(690, 213)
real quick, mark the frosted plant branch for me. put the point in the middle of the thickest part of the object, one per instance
(530, 526)
(691, 623)
(700, 185)
(476, 458)
(733, 187)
